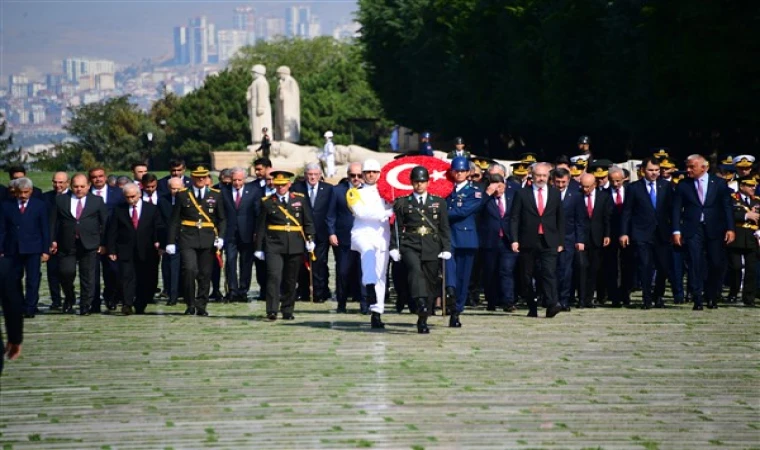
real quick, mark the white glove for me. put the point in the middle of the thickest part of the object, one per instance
(171, 249)
(310, 246)
(395, 255)
(259, 255)
(218, 243)
(445, 255)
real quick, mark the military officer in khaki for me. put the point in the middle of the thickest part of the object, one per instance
(197, 225)
(421, 237)
(284, 232)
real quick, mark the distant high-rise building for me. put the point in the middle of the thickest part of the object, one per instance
(75, 68)
(53, 82)
(297, 21)
(18, 86)
(38, 114)
(230, 41)
(346, 31)
(181, 47)
(198, 40)
(270, 28)
(34, 87)
(243, 18)
(315, 29)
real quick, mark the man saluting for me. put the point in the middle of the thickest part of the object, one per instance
(285, 229)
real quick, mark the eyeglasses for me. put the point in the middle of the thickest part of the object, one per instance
(355, 175)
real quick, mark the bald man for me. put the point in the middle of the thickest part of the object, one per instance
(60, 184)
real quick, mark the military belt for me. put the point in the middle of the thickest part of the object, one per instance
(199, 224)
(748, 225)
(422, 231)
(288, 228)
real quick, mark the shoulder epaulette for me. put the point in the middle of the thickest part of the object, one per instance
(297, 194)
(183, 189)
(214, 190)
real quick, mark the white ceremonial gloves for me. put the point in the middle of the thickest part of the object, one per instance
(218, 243)
(171, 249)
(445, 256)
(259, 255)
(310, 246)
(395, 255)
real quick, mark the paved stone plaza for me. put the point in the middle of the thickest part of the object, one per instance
(604, 378)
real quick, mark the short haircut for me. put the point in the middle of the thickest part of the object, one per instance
(545, 165)
(224, 173)
(266, 162)
(130, 186)
(176, 162)
(235, 170)
(560, 172)
(122, 180)
(78, 175)
(16, 169)
(614, 170)
(697, 157)
(138, 164)
(148, 178)
(499, 167)
(21, 183)
(95, 169)
(562, 159)
(313, 166)
(649, 160)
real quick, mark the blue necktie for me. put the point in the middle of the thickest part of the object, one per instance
(653, 195)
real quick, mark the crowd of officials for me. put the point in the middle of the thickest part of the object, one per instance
(575, 232)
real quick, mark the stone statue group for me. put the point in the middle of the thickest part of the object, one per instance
(287, 125)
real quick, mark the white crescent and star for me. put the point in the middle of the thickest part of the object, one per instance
(393, 174)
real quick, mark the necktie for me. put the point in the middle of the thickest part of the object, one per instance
(746, 202)
(540, 209)
(79, 208)
(312, 195)
(134, 217)
(589, 206)
(99, 193)
(150, 199)
(199, 194)
(237, 199)
(700, 191)
(502, 210)
(284, 200)
(420, 202)
(23, 207)
(619, 200)
(652, 194)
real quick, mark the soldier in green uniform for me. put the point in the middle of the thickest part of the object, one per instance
(459, 150)
(284, 232)
(197, 225)
(746, 208)
(421, 236)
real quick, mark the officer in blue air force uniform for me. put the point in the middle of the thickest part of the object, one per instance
(464, 202)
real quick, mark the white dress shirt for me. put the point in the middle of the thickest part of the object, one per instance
(74, 202)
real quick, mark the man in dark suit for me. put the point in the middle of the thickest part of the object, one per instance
(60, 187)
(176, 170)
(618, 261)
(15, 172)
(495, 240)
(598, 207)
(12, 303)
(170, 264)
(646, 226)
(538, 229)
(111, 196)
(199, 225)
(284, 232)
(133, 243)
(703, 223)
(241, 203)
(568, 266)
(340, 220)
(78, 228)
(25, 238)
(319, 195)
(223, 185)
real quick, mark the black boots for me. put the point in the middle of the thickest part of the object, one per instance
(422, 315)
(454, 321)
(376, 321)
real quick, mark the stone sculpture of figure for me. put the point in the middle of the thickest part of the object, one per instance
(328, 155)
(259, 107)
(288, 119)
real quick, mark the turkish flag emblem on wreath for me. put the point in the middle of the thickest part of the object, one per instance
(394, 177)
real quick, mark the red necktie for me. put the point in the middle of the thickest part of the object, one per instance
(502, 210)
(134, 217)
(540, 209)
(589, 206)
(619, 200)
(79, 208)
(237, 199)
(23, 207)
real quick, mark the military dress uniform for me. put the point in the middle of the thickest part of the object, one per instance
(425, 234)
(284, 229)
(196, 238)
(743, 251)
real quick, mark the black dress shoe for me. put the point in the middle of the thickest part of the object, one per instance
(422, 328)
(553, 311)
(190, 311)
(201, 312)
(697, 308)
(376, 321)
(341, 309)
(712, 304)
(533, 313)
(288, 316)
(659, 304)
(140, 311)
(126, 310)
(566, 308)
(510, 309)
(28, 316)
(646, 306)
(272, 316)
(171, 303)
(454, 321)
(84, 311)
(490, 308)
(55, 306)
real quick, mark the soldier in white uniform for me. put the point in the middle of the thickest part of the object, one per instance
(328, 155)
(370, 236)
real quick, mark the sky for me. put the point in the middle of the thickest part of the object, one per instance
(36, 35)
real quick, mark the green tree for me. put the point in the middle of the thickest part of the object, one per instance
(9, 156)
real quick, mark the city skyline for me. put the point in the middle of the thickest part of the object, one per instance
(38, 35)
